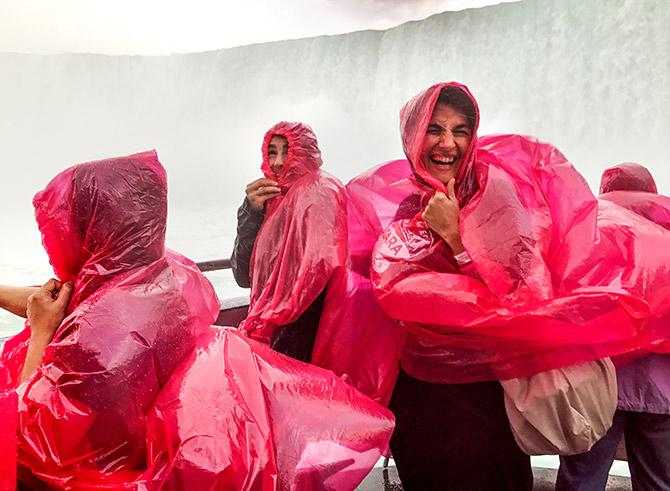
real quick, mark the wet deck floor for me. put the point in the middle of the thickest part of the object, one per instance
(544, 480)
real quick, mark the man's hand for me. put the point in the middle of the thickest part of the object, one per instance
(46, 311)
(442, 215)
(261, 190)
(46, 308)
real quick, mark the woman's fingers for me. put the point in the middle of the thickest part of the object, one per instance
(451, 189)
(260, 190)
(260, 183)
(265, 190)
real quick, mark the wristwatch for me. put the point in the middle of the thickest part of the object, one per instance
(463, 258)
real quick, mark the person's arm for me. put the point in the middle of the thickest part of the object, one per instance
(46, 310)
(249, 223)
(15, 298)
(249, 220)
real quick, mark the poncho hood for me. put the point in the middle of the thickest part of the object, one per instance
(100, 219)
(627, 176)
(415, 117)
(303, 156)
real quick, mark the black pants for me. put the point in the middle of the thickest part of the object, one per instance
(297, 339)
(455, 437)
(647, 446)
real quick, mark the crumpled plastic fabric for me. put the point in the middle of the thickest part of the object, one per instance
(8, 412)
(302, 242)
(356, 339)
(563, 278)
(12, 355)
(237, 415)
(136, 311)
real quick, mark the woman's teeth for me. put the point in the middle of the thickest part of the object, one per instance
(443, 161)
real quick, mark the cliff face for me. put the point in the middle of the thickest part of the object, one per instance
(591, 77)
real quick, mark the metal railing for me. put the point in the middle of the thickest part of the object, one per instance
(234, 309)
(213, 265)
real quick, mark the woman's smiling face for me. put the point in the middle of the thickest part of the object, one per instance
(277, 153)
(446, 142)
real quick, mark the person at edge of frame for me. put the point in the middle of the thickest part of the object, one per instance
(643, 409)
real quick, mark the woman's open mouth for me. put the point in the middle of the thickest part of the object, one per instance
(443, 161)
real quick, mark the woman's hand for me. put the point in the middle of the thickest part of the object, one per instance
(442, 215)
(46, 308)
(261, 190)
(46, 311)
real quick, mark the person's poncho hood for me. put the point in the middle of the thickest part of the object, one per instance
(303, 237)
(627, 176)
(101, 219)
(303, 157)
(415, 117)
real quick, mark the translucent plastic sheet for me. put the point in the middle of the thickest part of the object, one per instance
(237, 415)
(561, 278)
(12, 354)
(356, 339)
(135, 313)
(302, 242)
(8, 403)
(653, 207)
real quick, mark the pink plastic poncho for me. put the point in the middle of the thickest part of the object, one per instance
(135, 313)
(12, 356)
(237, 415)
(356, 339)
(8, 406)
(561, 279)
(632, 186)
(302, 242)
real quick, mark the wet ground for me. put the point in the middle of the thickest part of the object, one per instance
(544, 479)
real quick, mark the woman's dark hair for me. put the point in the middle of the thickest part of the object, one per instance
(461, 102)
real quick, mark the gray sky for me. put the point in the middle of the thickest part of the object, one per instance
(179, 26)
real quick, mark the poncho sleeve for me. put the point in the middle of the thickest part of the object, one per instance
(249, 221)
